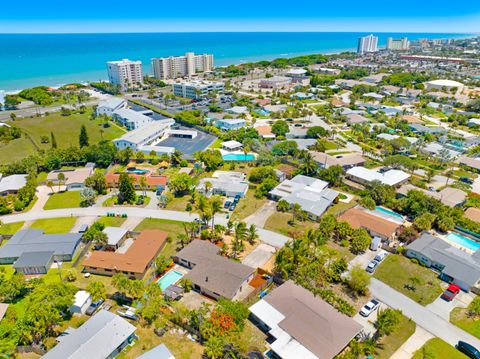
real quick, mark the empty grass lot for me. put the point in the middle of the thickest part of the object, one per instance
(459, 317)
(68, 199)
(11, 228)
(278, 222)
(55, 225)
(389, 344)
(65, 129)
(111, 221)
(173, 228)
(397, 271)
(248, 205)
(437, 348)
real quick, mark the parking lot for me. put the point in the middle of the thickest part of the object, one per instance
(189, 146)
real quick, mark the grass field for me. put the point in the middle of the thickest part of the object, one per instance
(437, 348)
(460, 318)
(68, 199)
(178, 203)
(65, 129)
(397, 271)
(278, 222)
(391, 343)
(172, 227)
(55, 225)
(11, 228)
(111, 221)
(248, 205)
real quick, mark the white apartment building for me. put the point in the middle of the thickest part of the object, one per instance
(173, 67)
(125, 73)
(367, 44)
(398, 44)
(197, 89)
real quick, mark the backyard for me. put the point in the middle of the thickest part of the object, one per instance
(54, 225)
(409, 278)
(437, 348)
(67, 199)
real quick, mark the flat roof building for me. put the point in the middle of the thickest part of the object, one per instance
(364, 175)
(144, 136)
(197, 89)
(165, 68)
(107, 107)
(125, 73)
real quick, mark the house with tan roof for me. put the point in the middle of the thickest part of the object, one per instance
(376, 226)
(473, 214)
(74, 179)
(449, 196)
(135, 262)
(302, 325)
(265, 131)
(346, 161)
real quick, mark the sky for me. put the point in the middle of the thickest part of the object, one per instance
(67, 16)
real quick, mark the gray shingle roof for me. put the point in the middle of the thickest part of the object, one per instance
(33, 259)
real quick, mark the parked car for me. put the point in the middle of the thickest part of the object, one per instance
(236, 199)
(468, 349)
(369, 308)
(450, 292)
(381, 256)
(83, 228)
(372, 266)
(466, 180)
(227, 204)
(232, 207)
(94, 306)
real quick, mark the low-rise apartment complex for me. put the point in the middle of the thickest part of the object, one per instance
(197, 89)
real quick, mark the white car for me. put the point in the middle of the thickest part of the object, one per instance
(381, 256)
(372, 266)
(369, 308)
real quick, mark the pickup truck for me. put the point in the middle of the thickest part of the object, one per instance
(451, 292)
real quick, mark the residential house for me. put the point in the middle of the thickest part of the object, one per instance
(229, 124)
(74, 179)
(81, 302)
(159, 352)
(90, 339)
(228, 184)
(12, 184)
(449, 196)
(238, 110)
(116, 236)
(455, 265)
(302, 325)
(3, 310)
(364, 176)
(354, 118)
(422, 130)
(32, 251)
(376, 226)
(134, 262)
(212, 274)
(473, 214)
(231, 145)
(346, 161)
(470, 162)
(265, 131)
(154, 182)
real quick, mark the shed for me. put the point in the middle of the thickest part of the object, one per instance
(82, 301)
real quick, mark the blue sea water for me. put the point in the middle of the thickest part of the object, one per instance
(53, 59)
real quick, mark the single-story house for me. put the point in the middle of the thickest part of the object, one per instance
(81, 302)
(231, 145)
(108, 107)
(364, 175)
(237, 110)
(33, 244)
(74, 179)
(228, 184)
(436, 149)
(302, 325)
(346, 161)
(473, 122)
(275, 108)
(473, 163)
(265, 131)
(455, 266)
(228, 124)
(473, 214)
(159, 352)
(12, 184)
(115, 236)
(354, 118)
(134, 263)
(154, 182)
(89, 340)
(449, 196)
(375, 225)
(421, 129)
(213, 275)
(412, 119)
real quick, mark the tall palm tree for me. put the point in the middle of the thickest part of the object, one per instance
(215, 207)
(208, 186)
(238, 238)
(252, 234)
(296, 208)
(143, 185)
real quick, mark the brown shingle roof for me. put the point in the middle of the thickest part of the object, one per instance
(359, 218)
(311, 321)
(136, 259)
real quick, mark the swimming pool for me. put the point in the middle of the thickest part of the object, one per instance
(238, 157)
(463, 241)
(169, 278)
(388, 212)
(137, 171)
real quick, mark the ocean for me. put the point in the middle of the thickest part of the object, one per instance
(28, 60)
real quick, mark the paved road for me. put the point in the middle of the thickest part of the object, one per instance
(424, 318)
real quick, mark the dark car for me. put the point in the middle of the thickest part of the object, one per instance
(466, 180)
(94, 306)
(227, 204)
(232, 207)
(236, 199)
(468, 349)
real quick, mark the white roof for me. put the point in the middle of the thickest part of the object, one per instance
(231, 144)
(298, 183)
(80, 298)
(238, 109)
(232, 121)
(390, 177)
(140, 134)
(12, 183)
(131, 115)
(114, 234)
(297, 72)
(387, 136)
(112, 102)
(446, 83)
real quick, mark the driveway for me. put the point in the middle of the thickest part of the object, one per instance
(43, 194)
(259, 218)
(363, 259)
(88, 220)
(367, 322)
(443, 308)
(424, 318)
(259, 256)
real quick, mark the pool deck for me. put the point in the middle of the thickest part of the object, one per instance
(454, 244)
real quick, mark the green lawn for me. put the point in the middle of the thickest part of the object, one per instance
(248, 205)
(397, 271)
(391, 343)
(438, 349)
(111, 221)
(278, 222)
(68, 199)
(460, 318)
(65, 129)
(340, 207)
(55, 225)
(172, 227)
(178, 203)
(11, 228)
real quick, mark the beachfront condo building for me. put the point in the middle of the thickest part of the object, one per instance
(125, 73)
(165, 68)
(367, 44)
(398, 44)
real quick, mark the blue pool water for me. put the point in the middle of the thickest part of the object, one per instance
(463, 241)
(137, 171)
(388, 212)
(168, 279)
(238, 157)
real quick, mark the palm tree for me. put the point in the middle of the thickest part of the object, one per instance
(61, 179)
(207, 185)
(202, 207)
(252, 234)
(215, 207)
(50, 184)
(143, 185)
(238, 238)
(296, 208)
